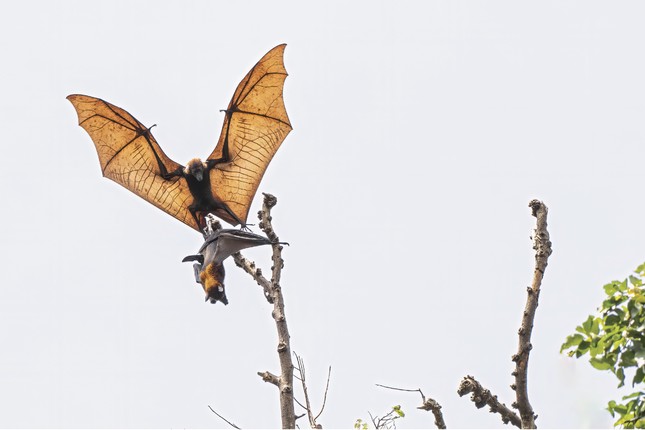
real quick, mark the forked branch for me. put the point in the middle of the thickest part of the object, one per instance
(482, 396)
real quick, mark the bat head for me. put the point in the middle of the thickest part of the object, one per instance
(212, 280)
(196, 168)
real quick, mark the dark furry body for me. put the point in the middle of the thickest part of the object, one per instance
(203, 200)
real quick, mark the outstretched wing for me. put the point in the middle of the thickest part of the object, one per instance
(130, 156)
(255, 125)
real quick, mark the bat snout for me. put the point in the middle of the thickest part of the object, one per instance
(196, 168)
(216, 294)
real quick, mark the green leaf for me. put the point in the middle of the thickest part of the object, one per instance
(625, 420)
(634, 308)
(635, 281)
(640, 270)
(586, 326)
(611, 320)
(583, 348)
(610, 407)
(595, 326)
(620, 374)
(627, 359)
(633, 395)
(598, 346)
(611, 288)
(621, 409)
(572, 340)
(600, 363)
(609, 303)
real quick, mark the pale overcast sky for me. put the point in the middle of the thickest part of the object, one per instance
(421, 132)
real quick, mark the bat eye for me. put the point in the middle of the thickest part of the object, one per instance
(220, 289)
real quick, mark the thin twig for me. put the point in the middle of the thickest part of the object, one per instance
(426, 405)
(221, 417)
(376, 426)
(386, 421)
(301, 370)
(403, 389)
(307, 406)
(482, 397)
(542, 247)
(325, 396)
(299, 404)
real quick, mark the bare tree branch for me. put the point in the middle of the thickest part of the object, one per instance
(482, 397)
(427, 405)
(255, 272)
(542, 247)
(433, 406)
(273, 293)
(270, 378)
(224, 419)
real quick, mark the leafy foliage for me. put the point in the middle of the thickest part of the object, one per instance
(385, 422)
(615, 341)
(360, 424)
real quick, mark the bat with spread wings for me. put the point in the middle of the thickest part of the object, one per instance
(255, 125)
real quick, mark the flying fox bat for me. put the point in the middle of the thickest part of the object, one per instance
(218, 246)
(255, 124)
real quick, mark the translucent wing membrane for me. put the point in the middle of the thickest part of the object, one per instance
(130, 156)
(255, 125)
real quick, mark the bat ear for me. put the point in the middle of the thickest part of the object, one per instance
(197, 257)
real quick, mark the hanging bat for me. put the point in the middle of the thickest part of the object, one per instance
(255, 124)
(218, 246)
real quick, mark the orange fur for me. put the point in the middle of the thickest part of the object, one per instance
(212, 278)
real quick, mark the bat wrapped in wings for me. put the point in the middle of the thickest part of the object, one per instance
(255, 124)
(217, 247)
